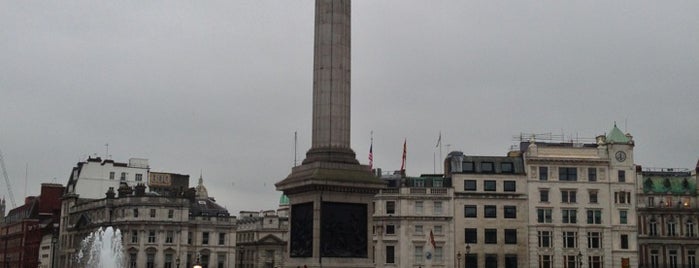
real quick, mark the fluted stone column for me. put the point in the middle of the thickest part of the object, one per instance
(331, 83)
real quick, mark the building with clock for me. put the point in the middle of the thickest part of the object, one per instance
(582, 210)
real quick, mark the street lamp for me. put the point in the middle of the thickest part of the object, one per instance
(458, 259)
(197, 264)
(468, 250)
(580, 259)
(241, 250)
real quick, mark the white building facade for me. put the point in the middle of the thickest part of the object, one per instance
(581, 207)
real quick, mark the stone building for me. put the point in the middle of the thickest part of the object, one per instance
(262, 237)
(173, 230)
(668, 216)
(581, 206)
(26, 226)
(413, 222)
(92, 178)
(490, 210)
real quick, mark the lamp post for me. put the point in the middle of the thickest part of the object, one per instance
(241, 250)
(458, 259)
(580, 259)
(468, 250)
(54, 241)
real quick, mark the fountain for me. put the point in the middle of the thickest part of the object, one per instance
(102, 249)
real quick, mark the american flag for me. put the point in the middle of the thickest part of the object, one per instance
(371, 156)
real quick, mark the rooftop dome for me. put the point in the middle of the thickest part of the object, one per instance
(201, 192)
(616, 136)
(284, 200)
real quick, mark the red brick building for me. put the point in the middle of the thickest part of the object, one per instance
(24, 227)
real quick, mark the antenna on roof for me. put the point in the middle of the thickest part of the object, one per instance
(295, 144)
(106, 155)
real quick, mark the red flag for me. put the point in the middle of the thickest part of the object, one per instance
(371, 156)
(434, 245)
(402, 165)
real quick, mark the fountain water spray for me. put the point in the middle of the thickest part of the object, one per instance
(102, 249)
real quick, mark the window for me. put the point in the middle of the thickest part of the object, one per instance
(544, 195)
(567, 174)
(438, 254)
(671, 228)
(623, 217)
(592, 196)
(438, 229)
(624, 241)
(673, 258)
(471, 260)
(418, 254)
(489, 186)
(489, 211)
(544, 239)
(654, 260)
(419, 183)
(139, 177)
(205, 238)
(135, 213)
(487, 167)
(123, 176)
(470, 185)
(152, 213)
(543, 173)
(437, 183)
(222, 258)
(169, 235)
(545, 261)
(691, 259)
(510, 212)
(543, 215)
(491, 261)
(390, 229)
(509, 186)
(151, 236)
(594, 216)
(510, 261)
(593, 240)
(189, 238)
(595, 261)
(150, 260)
(570, 261)
(570, 239)
(652, 227)
(418, 229)
(592, 174)
(622, 197)
(390, 254)
(689, 227)
(470, 211)
(168, 260)
(468, 167)
(471, 235)
(170, 214)
(569, 215)
(569, 196)
(437, 208)
(622, 176)
(134, 237)
(651, 202)
(132, 260)
(390, 207)
(111, 175)
(491, 236)
(418, 207)
(510, 236)
(506, 167)
(221, 238)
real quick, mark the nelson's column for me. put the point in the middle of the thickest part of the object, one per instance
(330, 193)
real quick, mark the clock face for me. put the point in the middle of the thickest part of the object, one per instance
(620, 156)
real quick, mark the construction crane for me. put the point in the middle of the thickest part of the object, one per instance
(7, 181)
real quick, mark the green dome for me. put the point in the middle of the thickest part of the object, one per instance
(284, 200)
(617, 136)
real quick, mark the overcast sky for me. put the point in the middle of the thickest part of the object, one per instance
(221, 86)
